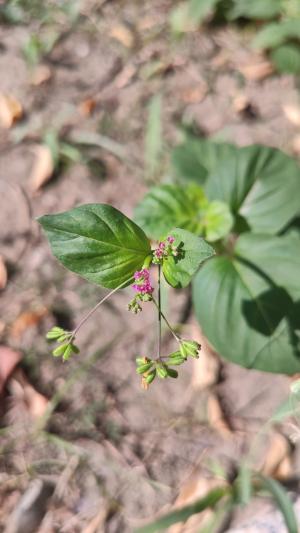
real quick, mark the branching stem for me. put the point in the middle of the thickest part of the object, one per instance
(167, 322)
(159, 314)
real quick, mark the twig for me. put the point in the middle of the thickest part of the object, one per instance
(92, 311)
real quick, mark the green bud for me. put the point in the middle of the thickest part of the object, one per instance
(64, 337)
(175, 354)
(176, 361)
(75, 348)
(54, 333)
(60, 350)
(141, 360)
(183, 351)
(150, 377)
(68, 352)
(193, 345)
(172, 373)
(161, 371)
(189, 348)
(146, 297)
(144, 368)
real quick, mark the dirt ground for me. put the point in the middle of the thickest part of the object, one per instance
(105, 455)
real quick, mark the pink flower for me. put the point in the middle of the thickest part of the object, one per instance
(143, 285)
(171, 239)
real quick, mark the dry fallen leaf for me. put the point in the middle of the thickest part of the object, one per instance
(221, 59)
(27, 319)
(30, 508)
(155, 68)
(10, 110)
(3, 274)
(34, 402)
(285, 469)
(147, 22)
(277, 450)
(87, 107)
(292, 113)
(194, 488)
(257, 71)
(8, 360)
(123, 34)
(193, 95)
(43, 168)
(216, 418)
(240, 102)
(41, 74)
(98, 522)
(206, 369)
(125, 76)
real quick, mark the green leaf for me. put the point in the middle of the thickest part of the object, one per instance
(283, 502)
(260, 184)
(168, 206)
(255, 9)
(196, 158)
(181, 515)
(193, 251)
(246, 316)
(97, 242)
(286, 58)
(200, 9)
(218, 221)
(277, 33)
(277, 257)
(188, 15)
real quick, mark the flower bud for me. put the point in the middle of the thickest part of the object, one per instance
(189, 348)
(64, 337)
(141, 360)
(144, 368)
(60, 350)
(161, 371)
(55, 333)
(150, 377)
(172, 373)
(176, 361)
(68, 352)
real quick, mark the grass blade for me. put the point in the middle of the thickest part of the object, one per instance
(283, 502)
(181, 515)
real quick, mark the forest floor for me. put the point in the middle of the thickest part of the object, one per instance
(92, 450)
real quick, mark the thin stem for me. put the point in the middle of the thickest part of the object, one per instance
(166, 321)
(159, 313)
(92, 311)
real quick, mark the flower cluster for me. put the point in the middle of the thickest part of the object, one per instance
(65, 346)
(143, 288)
(165, 249)
(143, 285)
